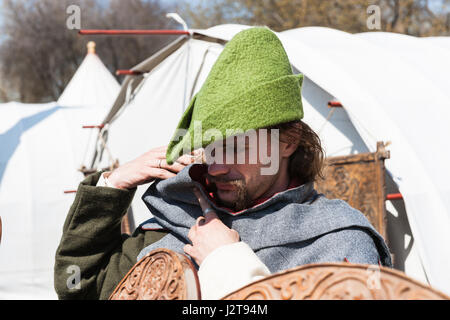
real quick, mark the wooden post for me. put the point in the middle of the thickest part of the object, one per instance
(359, 179)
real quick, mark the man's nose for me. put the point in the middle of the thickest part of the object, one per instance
(216, 169)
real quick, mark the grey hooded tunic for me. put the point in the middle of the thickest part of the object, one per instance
(294, 227)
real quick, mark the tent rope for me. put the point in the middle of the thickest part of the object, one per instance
(362, 126)
(330, 114)
(187, 75)
(128, 93)
(104, 146)
(101, 143)
(138, 87)
(370, 134)
(197, 76)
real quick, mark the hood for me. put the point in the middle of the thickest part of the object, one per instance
(291, 216)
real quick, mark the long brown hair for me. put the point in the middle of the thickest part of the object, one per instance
(306, 163)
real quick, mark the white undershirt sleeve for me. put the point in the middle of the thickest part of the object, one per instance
(104, 182)
(229, 268)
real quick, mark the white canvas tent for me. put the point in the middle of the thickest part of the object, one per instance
(41, 147)
(389, 98)
(442, 42)
(386, 97)
(92, 84)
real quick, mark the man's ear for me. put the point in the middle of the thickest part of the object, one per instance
(287, 149)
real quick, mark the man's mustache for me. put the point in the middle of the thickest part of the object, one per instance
(221, 179)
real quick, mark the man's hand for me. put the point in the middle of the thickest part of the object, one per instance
(151, 165)
(208, 233)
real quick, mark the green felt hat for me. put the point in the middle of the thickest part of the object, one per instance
(250, 86)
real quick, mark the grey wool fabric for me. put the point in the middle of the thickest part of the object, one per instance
(294, 227)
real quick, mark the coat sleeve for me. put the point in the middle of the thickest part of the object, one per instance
(93, 256)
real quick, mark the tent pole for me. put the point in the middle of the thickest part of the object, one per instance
(394, 196)
(128, 72)
(334, 104)
(132, 32)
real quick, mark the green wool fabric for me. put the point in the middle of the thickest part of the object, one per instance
(250, 86)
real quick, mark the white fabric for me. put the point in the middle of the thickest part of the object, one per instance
(229, 268)
(104, 182)
(427, 57)
(92, 85)
(42, 146)
(443, 42)
(389, 99)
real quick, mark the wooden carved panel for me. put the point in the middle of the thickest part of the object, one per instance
(337, 281)
(160, 275)
(359, 180)
(164, 274)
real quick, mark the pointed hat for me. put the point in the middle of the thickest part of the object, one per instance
(250, 86)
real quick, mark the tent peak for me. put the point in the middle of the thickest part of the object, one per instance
(90, 47)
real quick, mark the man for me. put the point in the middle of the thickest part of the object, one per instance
(251, 210)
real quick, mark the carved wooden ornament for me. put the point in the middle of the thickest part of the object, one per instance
(160, 275)
(359, 180)
(337, 281)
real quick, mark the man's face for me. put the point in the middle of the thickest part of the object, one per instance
(238, 183)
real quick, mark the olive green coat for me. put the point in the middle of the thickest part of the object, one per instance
(92, 241)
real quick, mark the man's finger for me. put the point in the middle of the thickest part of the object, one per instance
(162, 164)
(189, 249)
(186, 159)
(192, 232)
(159, 152)
(160, 173)
(198, 155)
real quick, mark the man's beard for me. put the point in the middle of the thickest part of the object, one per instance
(242, 200)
